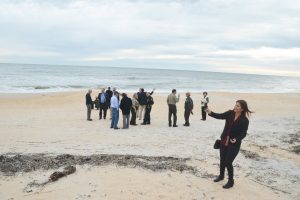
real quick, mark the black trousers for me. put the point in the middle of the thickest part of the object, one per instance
(147, 117)
(172, 111)
(187, 114)
(103, 109)
(227, 156)
(133, 117)
(203, 108)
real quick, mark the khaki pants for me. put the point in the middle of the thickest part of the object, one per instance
(141, 111)
(89, 110)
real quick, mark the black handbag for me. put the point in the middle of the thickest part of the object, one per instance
(217, 144)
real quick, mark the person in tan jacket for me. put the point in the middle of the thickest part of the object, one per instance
(172, 100)
(134, 108)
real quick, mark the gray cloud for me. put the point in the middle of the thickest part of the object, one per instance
(200, 35)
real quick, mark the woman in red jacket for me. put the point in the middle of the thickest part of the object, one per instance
(235, 130)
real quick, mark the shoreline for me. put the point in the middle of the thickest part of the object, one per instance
(3, 94)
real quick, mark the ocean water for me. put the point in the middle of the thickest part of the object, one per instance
(25, 78)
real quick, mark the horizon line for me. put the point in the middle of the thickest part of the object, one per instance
(76, 65)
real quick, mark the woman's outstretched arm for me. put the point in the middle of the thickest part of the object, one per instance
(218, 115)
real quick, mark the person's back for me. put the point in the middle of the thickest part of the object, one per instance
(188, 105)
(135, 102)
(142, 103)
(125, 105)
(171, 101)
(109, 93)
(188, 108)
(103, 98)
(88, 99)
(134, 109)
(149, 101)
(114, 102)
(142, 98)
(103, 102)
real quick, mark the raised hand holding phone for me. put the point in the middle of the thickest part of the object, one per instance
(208, 111)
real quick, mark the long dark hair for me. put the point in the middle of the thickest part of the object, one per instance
(246, 112)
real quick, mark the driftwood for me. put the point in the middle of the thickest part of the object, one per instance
(53, 177)
(57, 175)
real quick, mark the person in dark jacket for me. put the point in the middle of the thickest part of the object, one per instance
(149, 104)
(103, 103)
(125, 106)
(89, 103)
(142, 99)
(96, 103)
(109, 93)
(235, 130)
(188, 108)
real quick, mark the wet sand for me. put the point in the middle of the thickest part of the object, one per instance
(45, 127)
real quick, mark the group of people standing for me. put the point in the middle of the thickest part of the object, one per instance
(172, 100)
(235, 130)
(140, 106)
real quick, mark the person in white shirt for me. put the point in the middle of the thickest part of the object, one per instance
(114, 104)
(204, 102)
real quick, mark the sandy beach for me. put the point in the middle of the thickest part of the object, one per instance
(145, 162)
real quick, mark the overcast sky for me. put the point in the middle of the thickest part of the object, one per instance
(240, 36)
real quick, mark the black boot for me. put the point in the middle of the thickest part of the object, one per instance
(219, 178)
(229, 184)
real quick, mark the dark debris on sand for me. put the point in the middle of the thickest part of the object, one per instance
(57, 175)
(250, 154)
(294, 141)
(293, 138)
(296, 149)
(12, 164)
(53, 177)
